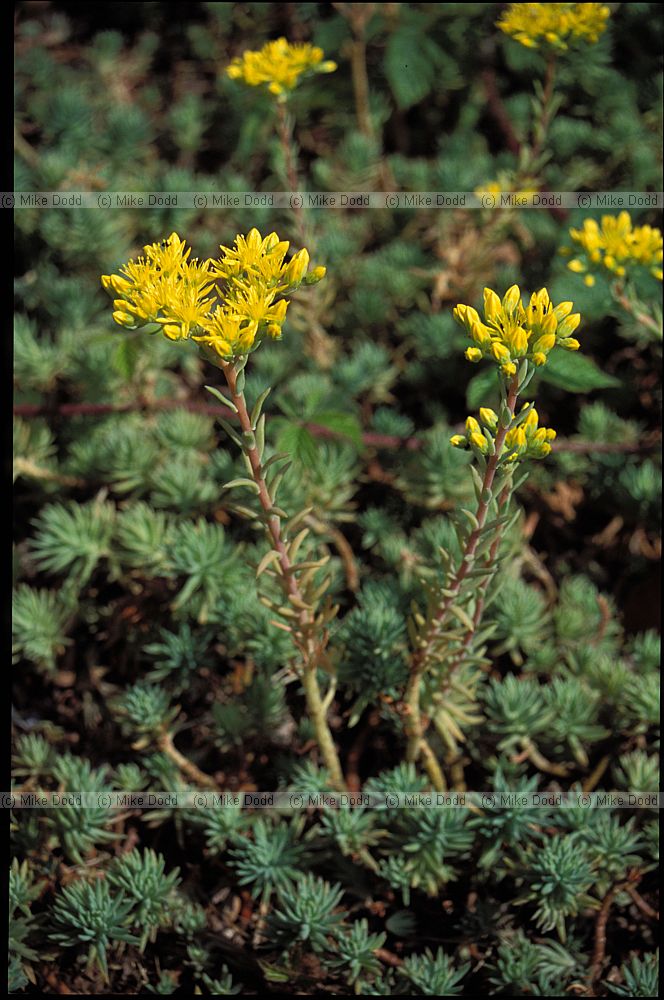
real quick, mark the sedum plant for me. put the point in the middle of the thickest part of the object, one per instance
(87, 914)
(517, 339)
(228, 307)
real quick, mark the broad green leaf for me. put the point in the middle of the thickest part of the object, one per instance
(344, 424)
(410, 66)
(575, 372)
(299, 443)
(483, 388)
(125, 357)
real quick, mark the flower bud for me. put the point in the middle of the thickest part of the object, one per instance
(516, 438)
(480, 334)
(477, 440)
(489, 417)
(531, 421)
(124, 319)
(500, 352)
(466, 315)
(511, 298)
(492, 306)
(473, 354)
(278, 311)
(114, 284)
(172, 330)
(569, 325)
(519, 342)
(545, 344)
(549, 324)
(563, 309)
(315, 275)
(577, 266)
(297, 268)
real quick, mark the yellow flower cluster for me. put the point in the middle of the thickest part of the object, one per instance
(616, 245)
(279, 65)
(505, 185)
(512, 332)
(526, 439)
(228, 304)
(554, 25)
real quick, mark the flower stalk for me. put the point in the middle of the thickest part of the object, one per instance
(303, 627)
(415, 725)
(285, 133)
(517, 339)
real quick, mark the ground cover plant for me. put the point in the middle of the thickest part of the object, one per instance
(336, 529)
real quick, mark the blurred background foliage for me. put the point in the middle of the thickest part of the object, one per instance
(134, 588)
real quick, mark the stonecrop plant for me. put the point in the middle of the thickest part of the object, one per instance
(227, 306)
(518, 339)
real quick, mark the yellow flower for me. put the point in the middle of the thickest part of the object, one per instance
(500, 352)
(474, 436)
(527, 439)
(279, 65)
(615, 245)
(512, 332)
(227, 333)
(252, 254)
(554, 25)
(228, 305)
(162, 286)
(504, 184)
(256, 260)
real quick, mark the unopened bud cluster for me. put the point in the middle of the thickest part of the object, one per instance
(511, 332)
(524, 439)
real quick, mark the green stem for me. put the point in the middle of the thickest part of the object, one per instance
(546, 116)
(301, 632)
(358, 65)
(432, 766)
(186, 766)
(420, 659)
(632, 308)
(318, 716)
(285, 132)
